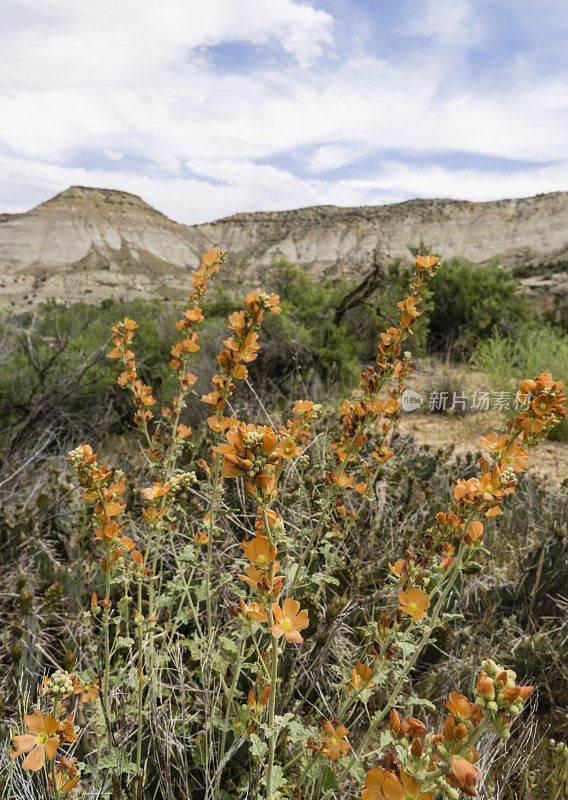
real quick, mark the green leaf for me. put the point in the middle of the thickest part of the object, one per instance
(123, 641)
(329, 779)
(299, 733)
(420, 701)
(200, 592)
(258, 748)
(230, 645)
(450, 617)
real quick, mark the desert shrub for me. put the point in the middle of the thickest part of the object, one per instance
(306, 337)
(470, 304)
(243, 638)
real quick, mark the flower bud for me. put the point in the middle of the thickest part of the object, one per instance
(460, 732)
(510, 694)
(485, 687)
(490, 667)
(416, 748)
(394, 721)
(449, 728)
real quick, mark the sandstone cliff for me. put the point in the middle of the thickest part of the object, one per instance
(95, 243)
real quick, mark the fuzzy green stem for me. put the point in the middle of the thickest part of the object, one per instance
(140, 685)
(236, 675)
(214, 494)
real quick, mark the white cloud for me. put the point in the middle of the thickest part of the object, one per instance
(134, 82)
(449, 23)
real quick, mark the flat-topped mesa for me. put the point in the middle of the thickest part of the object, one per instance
(93, 197)
(89, 243)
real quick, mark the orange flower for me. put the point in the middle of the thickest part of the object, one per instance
(259, 551)
(342, 479)
(409, 312)
(426, 262)
(66, 775)
(360, 677)
(515, 457)
(495, 442)
(412, 727)
(254, 611)
(398, 567)
(259, 579)
(288, 449)
(334, 744)
(382, 785)
(414, 602)
(41, 740)
(88, 691)
(156, 491)
(474, 532)
(288, 621)
(460, 706)
(464, 775)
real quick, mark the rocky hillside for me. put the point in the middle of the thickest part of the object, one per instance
(96, 243)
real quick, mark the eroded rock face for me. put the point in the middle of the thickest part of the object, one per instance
(95, 243)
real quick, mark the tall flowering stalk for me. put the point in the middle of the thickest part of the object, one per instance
(241, 349)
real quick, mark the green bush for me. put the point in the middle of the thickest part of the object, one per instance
(470, 303)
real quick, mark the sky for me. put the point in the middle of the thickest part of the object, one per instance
(207, 108)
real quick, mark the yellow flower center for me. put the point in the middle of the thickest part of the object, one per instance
(409, 797)
(335, 740)
(286, 624)
(261, 561)
(41, 739)
(412, 607)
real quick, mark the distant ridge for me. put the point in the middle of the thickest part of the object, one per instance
(87, 243)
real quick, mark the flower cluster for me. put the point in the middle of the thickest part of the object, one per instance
(109, 506)
(297, 431)
(546, 405)
(498, 696)
(211, 262)
(250, 453)
(424, 763)
(241, 349)
(474, 500)
(180, 352)
(143, 399)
